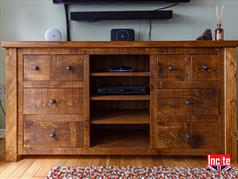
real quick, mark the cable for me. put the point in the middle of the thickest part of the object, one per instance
(150, 29)
(139, 33)
(2, 108)
(159, 9)
(66, 8)
(166, 7)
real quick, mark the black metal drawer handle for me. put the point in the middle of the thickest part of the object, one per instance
(69, 68)
(35, 67)
(53, 134)
(188, 136)
(52, 101)
(170, 68)
(188, 101)
(205, 67)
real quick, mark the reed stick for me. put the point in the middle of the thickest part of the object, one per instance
(219, 16)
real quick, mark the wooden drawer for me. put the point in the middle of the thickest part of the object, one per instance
(204, 67)
(58, 67)
(193, 135)
(184, 102)
(37, 67)
(53, 134)
(69, 67)
(172, 67)
(53, 101)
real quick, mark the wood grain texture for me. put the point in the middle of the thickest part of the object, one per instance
(20, 77)
(172, 67)
(86, 100)
(38, 166)
(68, 67)
(106, 44)
(53, 101)
(153, 99)
(230, 103)
(182, 102)
(11, 105)
(186, 135)
(195, 97)
(204, 67)
(120, 138)
(57, 67)
(37, 67)
(120, 117)
(53, 135)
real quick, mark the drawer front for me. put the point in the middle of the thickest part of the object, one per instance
(69, 67)
(171, 135)
(172, 67)
(193, 135)
(37, 67)
(53, 101)
(57, 67)
(184, 102)
(53, 134)
(204, 67)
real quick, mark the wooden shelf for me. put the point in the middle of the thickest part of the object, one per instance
(120, 74)
(121, 138)
(121, 117)
(120, 97)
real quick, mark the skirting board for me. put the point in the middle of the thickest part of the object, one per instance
(2, 133)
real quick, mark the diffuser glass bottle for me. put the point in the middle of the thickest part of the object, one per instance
(219, 33)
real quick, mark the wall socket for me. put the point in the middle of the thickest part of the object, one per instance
(2, 133)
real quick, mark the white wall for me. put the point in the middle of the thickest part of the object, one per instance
(28, 19)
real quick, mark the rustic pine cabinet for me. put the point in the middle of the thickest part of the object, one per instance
(53, 107)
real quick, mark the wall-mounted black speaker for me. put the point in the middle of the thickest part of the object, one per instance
(122, 35)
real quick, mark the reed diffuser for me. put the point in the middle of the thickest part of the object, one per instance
(219, 32)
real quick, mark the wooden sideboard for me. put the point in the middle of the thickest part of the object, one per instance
(53, 109)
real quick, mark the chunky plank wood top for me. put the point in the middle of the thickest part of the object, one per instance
(108, 44)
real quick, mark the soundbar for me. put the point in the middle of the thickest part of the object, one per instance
(113, 1)
(120, 15)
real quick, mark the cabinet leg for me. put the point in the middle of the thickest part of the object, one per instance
(10, 157)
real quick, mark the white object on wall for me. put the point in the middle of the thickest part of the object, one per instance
(53, 34)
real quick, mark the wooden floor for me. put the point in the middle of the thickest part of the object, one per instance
(38, 167)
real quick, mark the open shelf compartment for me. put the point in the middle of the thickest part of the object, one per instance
(102, 63)
(119, 120)
(121, 117)
(120, 112)
(120, 136)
